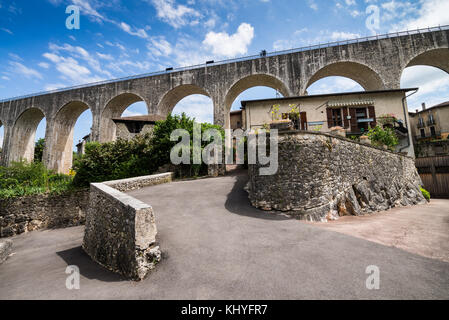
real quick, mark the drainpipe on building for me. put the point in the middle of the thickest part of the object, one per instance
(405, 119)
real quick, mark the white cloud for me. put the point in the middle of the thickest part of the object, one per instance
(50, 87)
(158, 46)
(44, 65)
(6, 30)
(173, 14)
(433, 83)
(105, 56)
(336, 36)
(313, 5)
(431, 13)
(87, 8)
(333, 85)
(298, 39)
(196, 106)
(71, 70)
(6, 78)
(15, 56)
(20, 69)
(223, 44)
(80, 53)
(141, 33)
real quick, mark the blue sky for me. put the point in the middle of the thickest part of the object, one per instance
(120, 38)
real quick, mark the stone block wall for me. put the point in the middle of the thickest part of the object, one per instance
(120, 230)
(28, 213)
(322, 177)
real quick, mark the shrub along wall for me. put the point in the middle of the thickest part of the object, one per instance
(28, 213)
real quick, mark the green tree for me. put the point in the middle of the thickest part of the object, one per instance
(142, 155)
(39, 150)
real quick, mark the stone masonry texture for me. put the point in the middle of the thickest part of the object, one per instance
(28, 213)
(321, 177)
(5, 250)
(120, 231)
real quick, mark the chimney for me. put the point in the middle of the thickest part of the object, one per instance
(423, 106)
(416, 110)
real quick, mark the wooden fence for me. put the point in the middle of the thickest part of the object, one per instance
(434, 172)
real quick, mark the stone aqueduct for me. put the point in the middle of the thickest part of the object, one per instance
(373, 63)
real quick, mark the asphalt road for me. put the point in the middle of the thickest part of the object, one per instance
(216, 246)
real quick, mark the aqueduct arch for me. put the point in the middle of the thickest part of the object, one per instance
(114, 109)
(438, 58)
(24, 132)
(248, 82)
(58, 154)
(360, 73)
(375, 63)
(172, 97)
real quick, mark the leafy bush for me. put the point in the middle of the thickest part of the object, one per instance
(383, 136)
(22, 178)
(142, 155)
(425, 193)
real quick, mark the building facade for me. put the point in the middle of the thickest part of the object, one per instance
(430, 130)
(128, 127)
(356, 112)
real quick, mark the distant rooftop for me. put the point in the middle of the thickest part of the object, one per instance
(151, 118)
(440, 105)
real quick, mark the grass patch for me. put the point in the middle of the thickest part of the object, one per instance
(23, 179)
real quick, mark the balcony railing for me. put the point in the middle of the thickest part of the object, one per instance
(430, 122)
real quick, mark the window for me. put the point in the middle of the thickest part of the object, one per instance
(361, 114)
(433, 132)
(337, 118)
(420, 122)
(423, 133)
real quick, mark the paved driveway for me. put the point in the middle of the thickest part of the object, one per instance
(216, 246)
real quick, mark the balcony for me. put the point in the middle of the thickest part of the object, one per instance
(428, 135)
(421, 124)
(431, 122)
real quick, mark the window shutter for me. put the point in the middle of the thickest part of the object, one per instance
(352, 113)
(345, 118)
(330, 123)
(372, 114)
(303, 116)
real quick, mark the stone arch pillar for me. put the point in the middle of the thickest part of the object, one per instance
(58, 152)
(21, 139)
(4, 155)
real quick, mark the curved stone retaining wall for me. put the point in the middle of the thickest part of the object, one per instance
(322, 177)
(120, 230)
